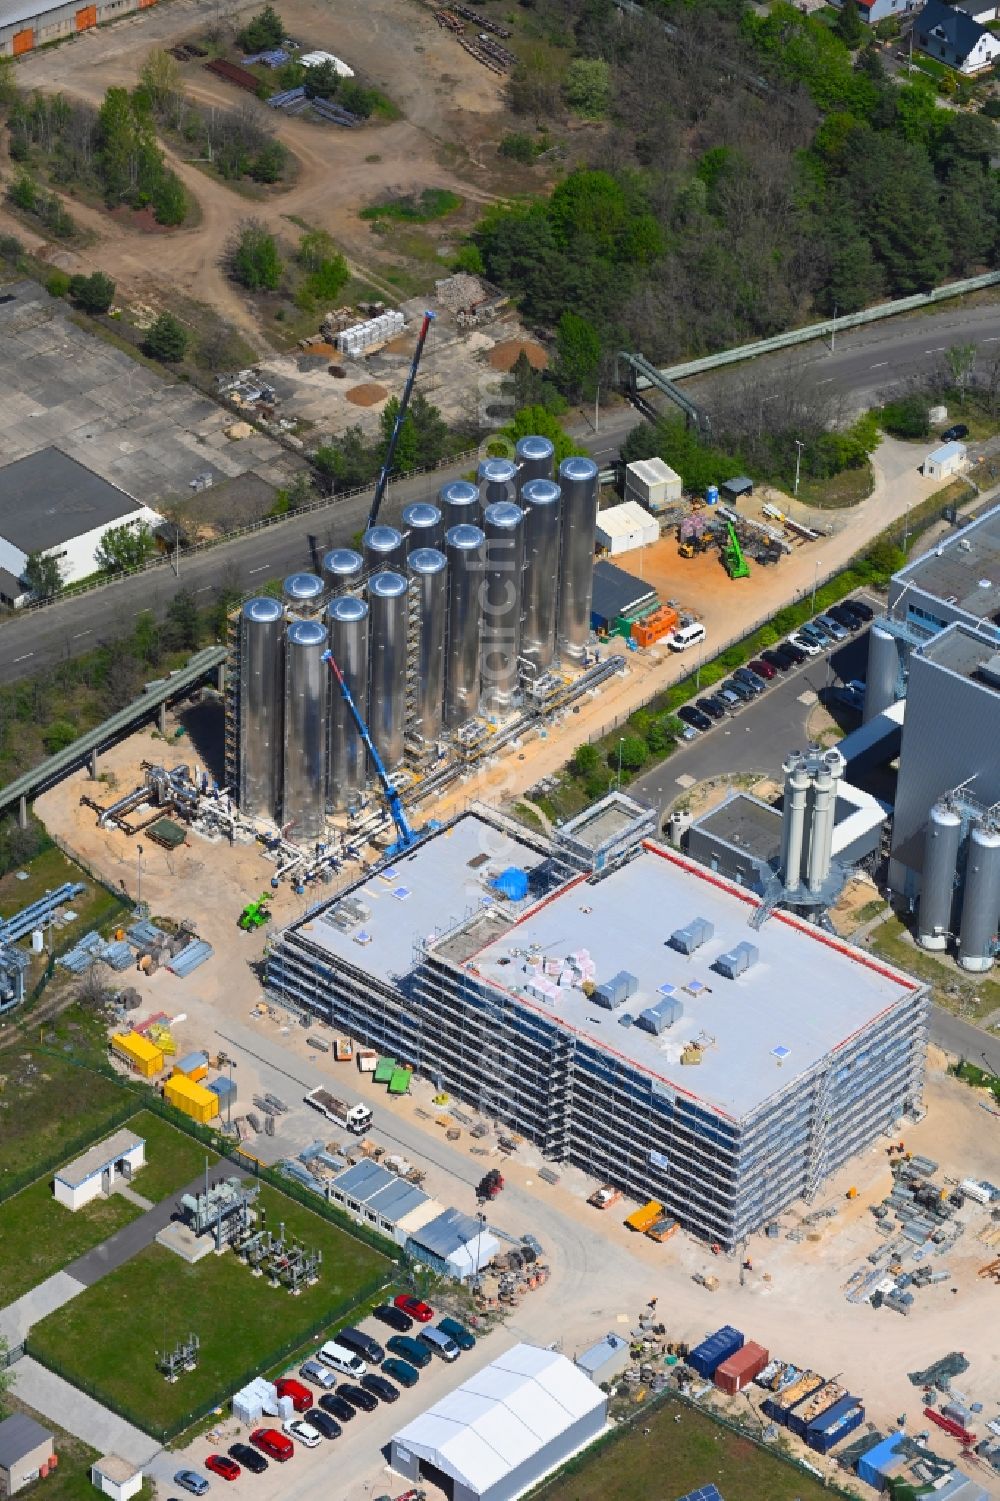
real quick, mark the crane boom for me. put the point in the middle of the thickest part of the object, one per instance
(407, 837)
(390, 453)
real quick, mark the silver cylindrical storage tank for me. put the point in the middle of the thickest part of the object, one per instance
(793, 820)
(383, 548)
(465, 546)
(303, 591)
(883, 672)
(303, 807)
(459, 503)
(578, 481)
(428, 571)
(535, 458)
(342, 569)
(387, 665)
(347, 766)
(261, 711)
(541, 500)
(503, 524)
(497, 481)
(423, 526)
(821, 828)
(980, 900)
(937, 887)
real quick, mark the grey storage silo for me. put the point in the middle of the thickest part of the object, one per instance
(883, 672)
(981, 899)
(383, 547)
(459, 503)
(387, 665)
(535, 459)
(465, 546)
(347, 766)
(303, 805)
(540, 500)
(503, 525)
(428, 571)
(937, 887)
(497, 481)
(342, 569)
(578, 480)
(261, 712)
(303, 592)
(422, 526)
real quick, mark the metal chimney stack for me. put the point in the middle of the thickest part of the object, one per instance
(793, 820)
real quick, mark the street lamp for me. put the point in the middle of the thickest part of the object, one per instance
(621, 742)
(799, 445)
(138, 899)
(815, 582)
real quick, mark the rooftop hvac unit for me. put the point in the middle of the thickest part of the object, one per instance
(691, 938)
(611, 993)
(658, 1018)
(737, 961)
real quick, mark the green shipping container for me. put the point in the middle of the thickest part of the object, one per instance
(384, 1070)
(400, 1081)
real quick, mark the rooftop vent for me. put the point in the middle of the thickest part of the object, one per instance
(613, 992)
(691, 938)
(737, 961)
(658, 1018)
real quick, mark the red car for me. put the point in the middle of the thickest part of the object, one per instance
(302, 1397)
(422, 1312)
(272, 1443)
(220, 1464)
(763, 669)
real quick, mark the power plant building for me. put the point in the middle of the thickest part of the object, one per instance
(722, 1070)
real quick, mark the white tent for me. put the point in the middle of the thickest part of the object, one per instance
(504, 1427)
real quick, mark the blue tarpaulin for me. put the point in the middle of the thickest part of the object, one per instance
(512, 883)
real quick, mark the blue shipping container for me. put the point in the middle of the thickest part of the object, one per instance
(835, 1424)
(709, 1355)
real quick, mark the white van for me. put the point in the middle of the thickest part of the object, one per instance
(687, 635)
(441, 1344)
(340, 1358)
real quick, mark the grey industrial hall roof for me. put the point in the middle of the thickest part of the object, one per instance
(747, 823)
(448, 1233)
(377, 1188)
(19, 1434)
(97, 1157)
(963, 570)
(965, 652)
(616, 592)
(48, 498)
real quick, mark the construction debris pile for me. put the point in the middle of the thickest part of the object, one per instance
(469, 300)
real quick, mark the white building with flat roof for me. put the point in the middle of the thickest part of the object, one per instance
(96, 1172)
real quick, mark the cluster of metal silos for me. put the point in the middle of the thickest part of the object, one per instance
(430, 624)
(808, 818)
(957, 906)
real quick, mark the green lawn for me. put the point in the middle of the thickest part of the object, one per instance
(660, 1459)
(970, 996)
(48, 871)
(49, 1110)
(241, 1320)
(173, 1160)
(39, 1236)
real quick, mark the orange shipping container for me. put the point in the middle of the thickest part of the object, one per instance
(86, 17)
(23, 42)
(740, 1369)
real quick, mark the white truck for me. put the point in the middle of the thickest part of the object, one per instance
(354, 1118)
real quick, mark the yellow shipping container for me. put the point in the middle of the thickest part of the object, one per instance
(200, 1104)
(140, 1054)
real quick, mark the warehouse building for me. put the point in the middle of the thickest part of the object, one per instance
(693, 1073)
(373, 1195)
(503, 1429)
(454, 1245)
(52, 505)
(606, 1360)
(27, 24)
(99, 1169)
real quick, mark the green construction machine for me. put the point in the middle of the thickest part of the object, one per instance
(732, 555)
(255, 914)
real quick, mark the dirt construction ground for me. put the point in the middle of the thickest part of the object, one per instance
(448, 100)
(793, 1300)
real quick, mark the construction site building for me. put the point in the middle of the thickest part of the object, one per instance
(725, 1090)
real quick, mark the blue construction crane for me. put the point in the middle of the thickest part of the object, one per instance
(390, 453)
(407, 837)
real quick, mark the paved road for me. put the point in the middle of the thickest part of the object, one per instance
(136, 1236)
(964, 1040)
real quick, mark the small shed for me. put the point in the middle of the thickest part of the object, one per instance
(950, 458)
(739, 488)
(617, 594)
(652, 483)
(455, 1244)
(27, 1453)
(194, 1065)
(115, 1477)
(605, 1360)
(99, 1168)
(626, 527)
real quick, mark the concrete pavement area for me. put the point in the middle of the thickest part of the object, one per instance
(79, 1414)
(17, 1318)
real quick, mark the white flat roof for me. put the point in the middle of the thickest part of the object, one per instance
(97, 1158)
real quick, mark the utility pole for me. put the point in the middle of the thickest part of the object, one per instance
(597, 408)
(799, 445)
(815, 582)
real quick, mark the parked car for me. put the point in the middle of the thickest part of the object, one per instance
(845, 617)
(362, 1344)
(729, 697)
(753, 680)
(778, 659)
(190, 1480)
(819, 629)
(464, 1338)
(334, 1404)
(440, 1343)
(404, 1345)
(303, 1431)
(742, 690)
(954, 433)
(302, 1397)
(339, 1358)
(837, 631)
(221, 1464)
(688, 714)
(802, 643)
(761, 669)
(712, 706)
(389, 1314)
(812, 633)
(377, 1386)
(248, 1458)
(796, 653)
(323, 1423)
(357, 1397)
(319, 1374)
(274, 1444)
(422, 1312)
(401, 1371)
(860, 608)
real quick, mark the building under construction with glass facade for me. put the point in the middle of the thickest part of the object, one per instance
(607, 998)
